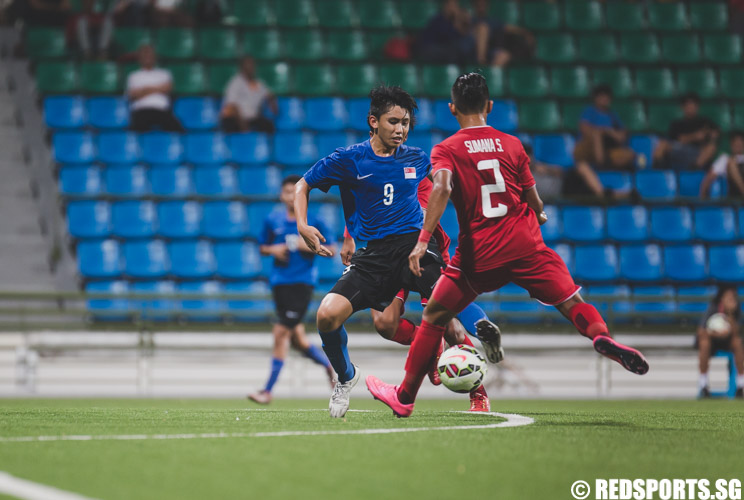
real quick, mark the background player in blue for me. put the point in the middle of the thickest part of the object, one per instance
(293, 277)
(378, 180)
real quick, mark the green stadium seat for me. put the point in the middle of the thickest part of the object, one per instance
(731, 82)
(640, 48)
(128, 40)
(494, 79)
(709, 16)
(661, 115)
(556, 48)
(681, 49)
(718, 112)
(346, 45)
(295, 13)
(570, 82)
(625, 16)
(528, 81)
(597, 48)
(218, 43)
(539, 116)
(264, 45)
(655, 83)
(405, 75)
(632, 114)
(219, 75)
(56, 77)
(338, 14)
(700, 80)
(668, 16)
(584, 15)
(506, 11)
(44, 43)
(376, 41)
(738, 118)
(539, 16)
(314, 79)
(254, 13)
(99, 77)
(188, 78)
(303, 45)
(619, 78)
(276, 76)
(415, 15)
(722, 48)
(437, 80)
(356, 80)
(379, 15)
(175, 43)
(571, 113)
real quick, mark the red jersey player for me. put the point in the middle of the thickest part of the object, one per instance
(487, 174)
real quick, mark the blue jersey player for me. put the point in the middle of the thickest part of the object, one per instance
(293, 277)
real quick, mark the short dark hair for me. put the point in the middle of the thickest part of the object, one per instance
(602, 89)
(690, 97)
(291, 179)
(470, 93)
(722, 290)
(383, 98)
(736, 134)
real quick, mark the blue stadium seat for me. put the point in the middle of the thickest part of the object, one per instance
(159, 309)
(566, 252)
(161, 148)
(171, 180)
(685, 263)
(656, 311)
(443, 118)
(108, 112)
(203, 309)
(99, 258)
(197, 113)
(328, 142)
(671, 223)
(326, 113)
(741, 220)
(257, 213)
(555, 148)
(89, 219)
(615, 310)
(525, 310)
(504, 116)
(295, 149)
(643, 145)
(115, 308)
(127, 180)
(146, 259)
(694, 299)
(134, 219)
(424, 140)
(216, 181)
(331, 214)
(73, 147)
(238, 259)
(551, 230)
(251, 148)
(180, 219)
(656, 184)
(330, 268)
(641, 262)
(291, 114)
(425, 117)
(264, 181)
(359, 108)
(596, 263)
(727, 263)
(205, 148)
(449, 222)
(191, 259)
(118, 147)
(715, 224)
(689, 185)
(583, 223)
(224, 220)
(80, 180)
(619, 181)
(64, 112)
(627, 223)
(249, 308)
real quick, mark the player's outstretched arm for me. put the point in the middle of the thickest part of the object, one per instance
(533, 200)
(313, 238)
(440, 193)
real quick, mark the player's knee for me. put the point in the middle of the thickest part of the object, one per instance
(385, 327)
(454, 334)
(328, 320)
(436, 314)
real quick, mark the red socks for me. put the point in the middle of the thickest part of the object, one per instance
(423, 349)
(588, 321)
(405, 332)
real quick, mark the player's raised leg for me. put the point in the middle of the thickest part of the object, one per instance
(301, 343)
(476, 323)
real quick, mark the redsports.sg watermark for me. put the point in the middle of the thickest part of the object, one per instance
(658, 489)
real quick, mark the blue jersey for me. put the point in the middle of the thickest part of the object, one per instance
(379, 193)
(300, 268)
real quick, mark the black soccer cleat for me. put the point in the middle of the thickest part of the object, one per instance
(629, 358)
(490, 338)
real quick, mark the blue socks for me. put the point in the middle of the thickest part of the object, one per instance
(316, 355)
(276, 368)
(334, 345)
(470, 316)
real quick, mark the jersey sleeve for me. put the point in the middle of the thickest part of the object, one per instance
(526, 180)
(266, 237)
(423, 166)
(441, 160)
(330, 171)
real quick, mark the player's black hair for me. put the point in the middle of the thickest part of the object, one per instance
(470, 93)
(722, 289)
(736, 133)
(291, 179)
(383, 98)
(690, 96)
(602, 89)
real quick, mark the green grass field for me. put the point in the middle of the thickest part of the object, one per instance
(568, 441)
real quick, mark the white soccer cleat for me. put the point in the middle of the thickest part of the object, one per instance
(490, 338)
(339, 403)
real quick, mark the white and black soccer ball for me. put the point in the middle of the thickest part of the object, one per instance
(462, 368)
(718, 325)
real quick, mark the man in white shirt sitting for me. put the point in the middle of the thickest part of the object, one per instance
(149, 90)
(244, 97)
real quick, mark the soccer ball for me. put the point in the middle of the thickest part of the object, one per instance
(718, 325)
(462, 368)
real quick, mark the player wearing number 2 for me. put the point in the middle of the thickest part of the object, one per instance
(486, 172)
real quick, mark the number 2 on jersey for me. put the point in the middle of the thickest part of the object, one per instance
(486, 190)
(388, 192)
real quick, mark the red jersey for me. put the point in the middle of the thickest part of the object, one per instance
(443, 241)
(490, 171)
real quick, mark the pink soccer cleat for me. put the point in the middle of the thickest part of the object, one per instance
(388, 394)
(632, 360)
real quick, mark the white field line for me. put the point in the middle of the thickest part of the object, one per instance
(511, 420)
(28, 490)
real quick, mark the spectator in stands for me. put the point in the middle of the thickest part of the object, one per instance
(736, 9)
(730, 166)
(549, 178)
(170, 13)
(720, 334)
(131, 12)
(210, 11)
(149, 90)
(447, 38)
(497, 43)
(692, 139)
(91, 31)
(243, 102)
(44, 12)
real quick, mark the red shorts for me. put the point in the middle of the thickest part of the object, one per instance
(542, 273)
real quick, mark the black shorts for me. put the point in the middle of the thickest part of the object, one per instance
(718, 344)
(291, 302)
(378, 271)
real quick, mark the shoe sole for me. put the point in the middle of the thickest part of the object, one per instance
(632, 360)
(258, 402)
(490, 337)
